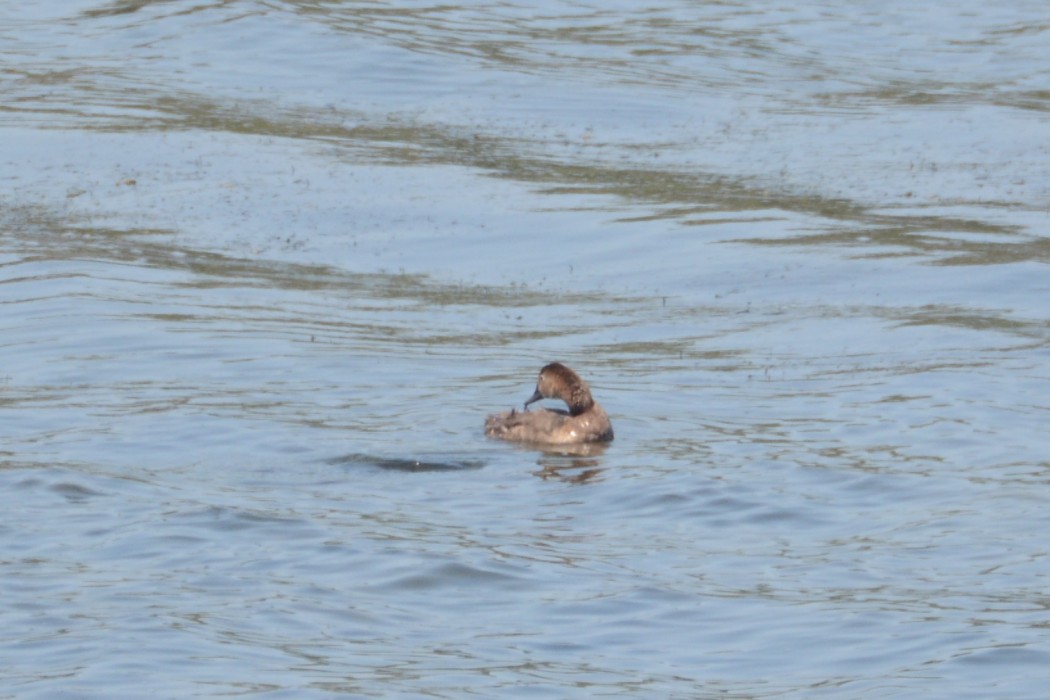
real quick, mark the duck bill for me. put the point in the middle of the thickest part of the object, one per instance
(534, 398)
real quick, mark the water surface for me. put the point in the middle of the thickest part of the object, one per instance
(266, 266)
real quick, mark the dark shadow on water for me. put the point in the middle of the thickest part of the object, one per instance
(407, 464)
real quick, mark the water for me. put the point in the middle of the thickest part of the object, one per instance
(265, 267)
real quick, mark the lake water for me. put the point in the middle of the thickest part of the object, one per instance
(266, 266)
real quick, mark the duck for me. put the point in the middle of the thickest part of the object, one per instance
(585, 421)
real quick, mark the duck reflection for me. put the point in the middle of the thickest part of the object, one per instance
(576, 464)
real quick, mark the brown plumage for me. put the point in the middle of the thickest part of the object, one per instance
(585, 421)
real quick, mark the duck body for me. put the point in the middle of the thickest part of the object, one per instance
(585, 421)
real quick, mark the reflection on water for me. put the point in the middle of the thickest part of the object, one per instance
(575, 464)
(258, 295)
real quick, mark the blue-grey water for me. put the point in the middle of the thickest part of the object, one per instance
(265, 266)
